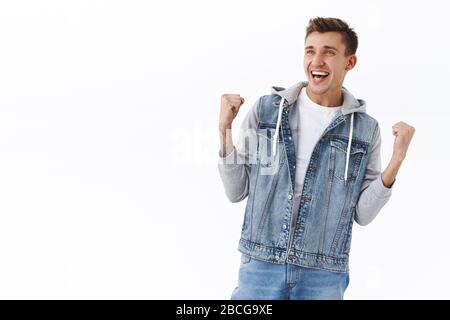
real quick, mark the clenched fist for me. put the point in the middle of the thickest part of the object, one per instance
(229, 108)
(403, 133)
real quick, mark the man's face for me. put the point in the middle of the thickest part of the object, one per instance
(325, 56)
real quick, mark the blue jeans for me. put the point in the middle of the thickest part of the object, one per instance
(260, 280)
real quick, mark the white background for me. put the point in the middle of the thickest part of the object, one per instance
(109, 187)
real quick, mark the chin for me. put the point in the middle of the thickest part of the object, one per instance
(318, 89)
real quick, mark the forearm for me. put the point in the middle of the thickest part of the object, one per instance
(232, 167)
(226, 140)
(377, 193)
(390, 173)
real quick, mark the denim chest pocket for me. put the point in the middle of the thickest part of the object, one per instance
(245, 258)
(338, 157)
(269, 161)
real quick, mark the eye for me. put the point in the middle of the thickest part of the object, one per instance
(309, 52)
(330, 52)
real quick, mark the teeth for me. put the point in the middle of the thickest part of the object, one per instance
(319, 73)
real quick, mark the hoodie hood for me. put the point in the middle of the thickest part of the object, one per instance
(349, 105)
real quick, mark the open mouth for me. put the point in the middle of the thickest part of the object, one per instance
(319, 74)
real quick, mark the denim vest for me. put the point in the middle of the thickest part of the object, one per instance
(319, 234)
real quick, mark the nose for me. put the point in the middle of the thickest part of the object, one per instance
(317, 60)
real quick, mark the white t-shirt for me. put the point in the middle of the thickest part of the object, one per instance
(314, 119)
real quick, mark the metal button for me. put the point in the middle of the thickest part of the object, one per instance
(284, 226)
(290, 196)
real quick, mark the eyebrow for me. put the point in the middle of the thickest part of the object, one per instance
(330, 47)
(326, 47)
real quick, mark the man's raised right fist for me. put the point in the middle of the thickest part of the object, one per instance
(229, 108)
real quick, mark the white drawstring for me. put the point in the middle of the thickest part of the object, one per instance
(275, 137)
(350, 136)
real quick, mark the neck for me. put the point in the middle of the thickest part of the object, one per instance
(329, 99)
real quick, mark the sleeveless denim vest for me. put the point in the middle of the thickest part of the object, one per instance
(319, 234)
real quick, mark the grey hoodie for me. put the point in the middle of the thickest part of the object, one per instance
(373, 196)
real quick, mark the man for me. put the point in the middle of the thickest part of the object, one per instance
(308, 161)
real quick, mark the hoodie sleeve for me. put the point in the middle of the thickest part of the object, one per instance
(374, 195)
(234, 168)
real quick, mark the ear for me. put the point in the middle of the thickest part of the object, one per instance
(351, 62)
